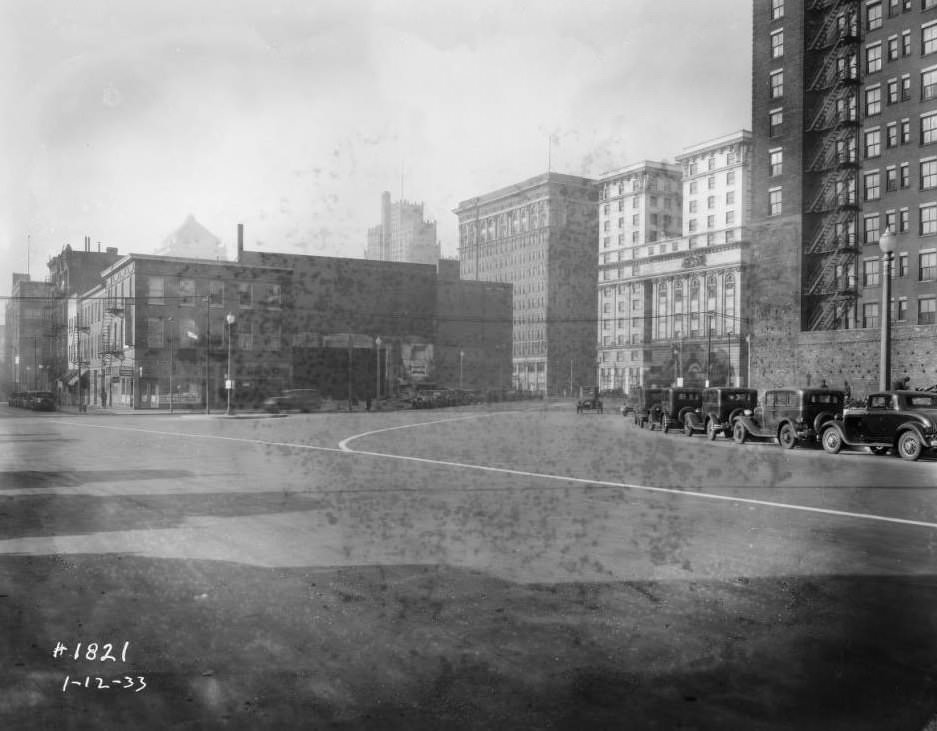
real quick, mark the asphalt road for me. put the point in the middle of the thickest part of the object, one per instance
(512, 567)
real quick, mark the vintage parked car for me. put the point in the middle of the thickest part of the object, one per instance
(41, 401)
(592, 403)
(645, 401)
(673, 406)
(295, 399)
(720, 407)
(790, 415)
(903, 421)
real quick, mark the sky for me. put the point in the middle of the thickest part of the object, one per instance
(123, 117)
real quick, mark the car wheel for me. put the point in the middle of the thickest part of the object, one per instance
(787, 437)
(831, 440)
(711, 430)
(739, 433)
(909, 446)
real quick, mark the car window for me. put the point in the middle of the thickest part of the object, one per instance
(879, 402)
(922, 402)
(825, 398)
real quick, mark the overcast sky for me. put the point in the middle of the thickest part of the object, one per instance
(291, 116)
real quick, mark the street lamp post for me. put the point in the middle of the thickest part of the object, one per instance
(229, 382)
(171, 363)
(887, 244)
(377, 380)
(461, 357)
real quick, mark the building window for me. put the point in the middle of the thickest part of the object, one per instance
(928, 174)
(928, 129)
(775, 122)
(904, 175)
(891, 91)
(927, 311)
(873, 142)
(905, 136)
(730, 198)
(904, 221)
(186, 292)
(906, 43)
(873, 101)
(905, 88)
(694, 187)
(691, 225)
(928, 84)
(899, 311)
(929, 221)
(710, 221)
(777, 84)
(692, 208)
(870, 273)
(774, 202)
(154, 293)
(777, 9)
(891, 135)
(873, 58)
(871, 229)
(711, 202)
(891, 221)
(730, 218)
(775, 162)
(711, 182)
(730, 178)
(928, 39)
(893, 51)
(872, 186)
(870, 315)
(873, 16)
(777, 44)
(245, 294)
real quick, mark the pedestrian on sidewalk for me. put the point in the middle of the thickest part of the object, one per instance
(103, 398)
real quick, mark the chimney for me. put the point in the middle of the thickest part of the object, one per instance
(240, 242)
(87, 243)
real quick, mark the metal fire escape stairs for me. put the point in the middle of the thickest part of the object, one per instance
(111, 346)
(831, 142)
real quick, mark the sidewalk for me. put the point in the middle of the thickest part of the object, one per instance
(96, 410)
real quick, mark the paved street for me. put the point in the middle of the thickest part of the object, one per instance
(516, 566)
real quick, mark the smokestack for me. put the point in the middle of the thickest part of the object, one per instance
(87, 243)
(240, 242)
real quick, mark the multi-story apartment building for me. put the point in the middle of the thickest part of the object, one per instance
(844, 115)
(540, 235)
(403, 235)
(669, 305)
(29, 335)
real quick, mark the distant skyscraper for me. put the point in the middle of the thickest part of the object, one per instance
(403, 235)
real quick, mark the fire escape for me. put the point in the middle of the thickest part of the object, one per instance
(831, 162)
(111, 345)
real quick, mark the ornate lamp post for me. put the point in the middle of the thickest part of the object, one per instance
(887, 244)
(709, 345)
(229, 382)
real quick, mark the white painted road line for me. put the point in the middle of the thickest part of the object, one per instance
(345, 449)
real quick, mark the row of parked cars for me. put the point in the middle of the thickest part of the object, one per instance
(35, 400)
(902, 422)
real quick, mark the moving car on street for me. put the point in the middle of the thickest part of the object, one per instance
(903, 421)
(719, 409)
(592, 403)
(295, 399)
(790, 415)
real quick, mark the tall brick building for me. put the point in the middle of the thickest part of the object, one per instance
(541, 236)
(844, 122)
